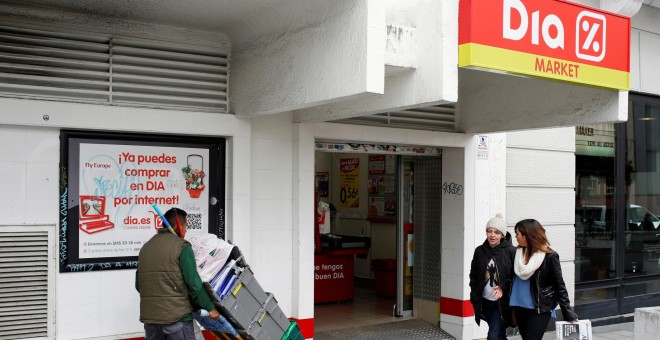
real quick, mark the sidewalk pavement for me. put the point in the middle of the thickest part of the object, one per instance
(619, 331)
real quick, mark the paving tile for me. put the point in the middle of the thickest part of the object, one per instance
(370, 318)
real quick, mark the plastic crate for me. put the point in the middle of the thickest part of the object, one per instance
(236, 254)
(270, 323)
(244, 301)
(293, 332)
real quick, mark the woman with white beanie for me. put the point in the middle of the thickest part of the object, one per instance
(491, 275)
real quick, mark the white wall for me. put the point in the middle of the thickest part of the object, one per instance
(432, 82)
(272, 211)
(317, 52)
(101, 304)
(540, 182)
(29, 180)
(644, 51)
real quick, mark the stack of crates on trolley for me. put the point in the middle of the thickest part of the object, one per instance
(241, 300)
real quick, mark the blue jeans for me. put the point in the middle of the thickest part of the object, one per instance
(496, 326)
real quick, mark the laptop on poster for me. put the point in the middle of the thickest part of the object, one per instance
(92, 215)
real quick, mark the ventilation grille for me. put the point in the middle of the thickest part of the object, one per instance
(23, 285)
(115, 71)
(434, 118)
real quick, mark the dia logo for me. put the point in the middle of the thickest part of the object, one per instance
(537, 26)
(549, 21)
(590, 36)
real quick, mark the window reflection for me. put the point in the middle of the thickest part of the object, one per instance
(594, 295)
(595, 231)
(642, 232)
(641, 288)
(627, 220)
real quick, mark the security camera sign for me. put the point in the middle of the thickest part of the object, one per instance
(546, 38)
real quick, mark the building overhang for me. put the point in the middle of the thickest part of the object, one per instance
(496, 101)
(528, 64)
(368, 62)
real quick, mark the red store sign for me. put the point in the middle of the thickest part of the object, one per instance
(546, 38)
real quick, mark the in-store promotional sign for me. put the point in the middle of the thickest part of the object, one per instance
(349, 182)
(109, 187)
(546, 38)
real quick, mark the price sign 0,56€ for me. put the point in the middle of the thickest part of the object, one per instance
(349, 182)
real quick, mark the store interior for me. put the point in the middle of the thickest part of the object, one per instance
(363, 199)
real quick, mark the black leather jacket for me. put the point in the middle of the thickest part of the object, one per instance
(549, 290)
(504, 254)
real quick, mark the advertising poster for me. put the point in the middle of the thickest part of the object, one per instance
(322, 183)
(349, 182)
(390, 164)
(118, 185)
(377, 164)
(109, 187)
(386, 185)
(377, 206)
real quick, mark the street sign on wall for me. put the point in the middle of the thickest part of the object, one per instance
(546, 38)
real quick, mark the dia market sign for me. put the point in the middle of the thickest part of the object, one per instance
(546, 38)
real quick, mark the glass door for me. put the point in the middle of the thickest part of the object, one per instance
(405, 236)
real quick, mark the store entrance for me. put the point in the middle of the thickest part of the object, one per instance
(366, 221)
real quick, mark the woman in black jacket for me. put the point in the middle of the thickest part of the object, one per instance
(491, 274)
(538, 286)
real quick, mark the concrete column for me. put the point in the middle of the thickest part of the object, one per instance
(480, 168)
(647, 323)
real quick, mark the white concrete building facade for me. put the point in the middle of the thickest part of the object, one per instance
(295, 73)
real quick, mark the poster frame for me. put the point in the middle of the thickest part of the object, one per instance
(69, 194)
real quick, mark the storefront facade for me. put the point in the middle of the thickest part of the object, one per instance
(616, 213)
(270, 92)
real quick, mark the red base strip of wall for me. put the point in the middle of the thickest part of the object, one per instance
(208, 335)
(460, 308)
(306, 327)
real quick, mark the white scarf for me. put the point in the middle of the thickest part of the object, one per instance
(525, 271)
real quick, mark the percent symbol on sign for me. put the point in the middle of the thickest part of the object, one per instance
(589, 42)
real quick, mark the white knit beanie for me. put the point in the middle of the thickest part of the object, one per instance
(498, 223)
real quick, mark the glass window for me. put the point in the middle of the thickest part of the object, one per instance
(642, 232)
(641, 288)
(594, 198)
(594, 295)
